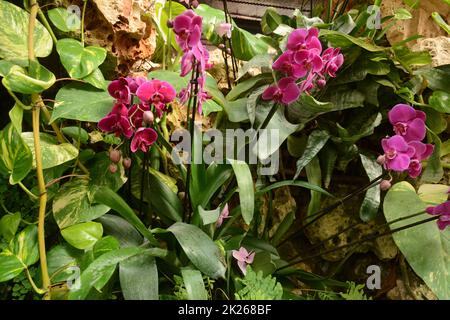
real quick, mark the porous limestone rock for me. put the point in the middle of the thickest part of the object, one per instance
(438, 47)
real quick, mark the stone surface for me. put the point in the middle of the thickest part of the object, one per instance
(438, 47)
(421, 23)
(124, 28)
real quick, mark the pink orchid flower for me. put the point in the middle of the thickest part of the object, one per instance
(143, 139)
(188, 29)
(286, 64)
(156, 92)
(422, 152)
(304, 39)
(134, 83)
(136, 114)
(443, 210)
(224, 214)
(285, 91)
(224, 29)
(117, 121)
(333, 60)
(308, 60)
(119, 90)
(408, 122)
(243, 258)
(397, 153)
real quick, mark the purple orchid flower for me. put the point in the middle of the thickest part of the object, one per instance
(156, 92)
(188, 29)
(422, 152)
(117, 121)
(285, 91)
(224, 214)
(286, 64)
(243, 258)
(142, 139)
(119, 90)
(136, 114)
(443, 210)
(397, 153)
(333, 60)
(308, 60)
(408, 122)
(304, 39)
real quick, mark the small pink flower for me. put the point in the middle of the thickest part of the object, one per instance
(117, 121)
(156, 92)
(397, 153)
(188, 29)
(408, 122)
(134, 83)
(243, 258)
(422, 152)
(136, 114)
(143, 138)
(224, 29)
(119, 90)
(308, 61)
(224, 214)
(285, 91)
(443, 210)
(187, 63)
(333, 60)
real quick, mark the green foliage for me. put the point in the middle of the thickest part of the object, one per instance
(257, 287)
(355, 292)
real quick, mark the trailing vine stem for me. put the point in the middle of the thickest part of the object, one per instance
(35, 98)
(83, 13)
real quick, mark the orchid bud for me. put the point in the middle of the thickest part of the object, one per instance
(381, 160)
(385, 185)
(126, 163)
(194, 4)
(181, 195)
(114, 155)
(228, 50)
(169, 24)
(148, 117)
(321, 83)
(221, 46)
(113, 168)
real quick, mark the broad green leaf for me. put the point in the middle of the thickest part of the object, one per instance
(402, 14)
(284, 227)
(15, 156)
(99, 271)
(270, 21)
(171, 77)
(246, 189)
(301, 184)
(96, 79)
(306, 109)
(104, 245)
(38, 79)
(434, 171)
(436, 78)
(81, 102)
(345, 98)
(371, 202)
(316, 140)
(237, 110)
(9, 224)
(139, 277)
(64, 20)
(260, 62)
(360, 69)
(121, 229)
(441, 22)
(108, 197)
(436, 120)
(433, 194)
(78, 61)
(216, 176)
(100, 174)
(14, 35)
(53, 153)
(193, 282)
(245, 86)
(426, 248)
(342, 40)
(83, 235)
(440, 101)
(16, 116)
(22, 252)
(76, 133)
(314, 175)
(209, 216)
(60, 258)
(200, 249)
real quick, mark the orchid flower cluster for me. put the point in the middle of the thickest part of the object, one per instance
(404, 151)
(188, 30)
(303, 60)
(134, 120)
